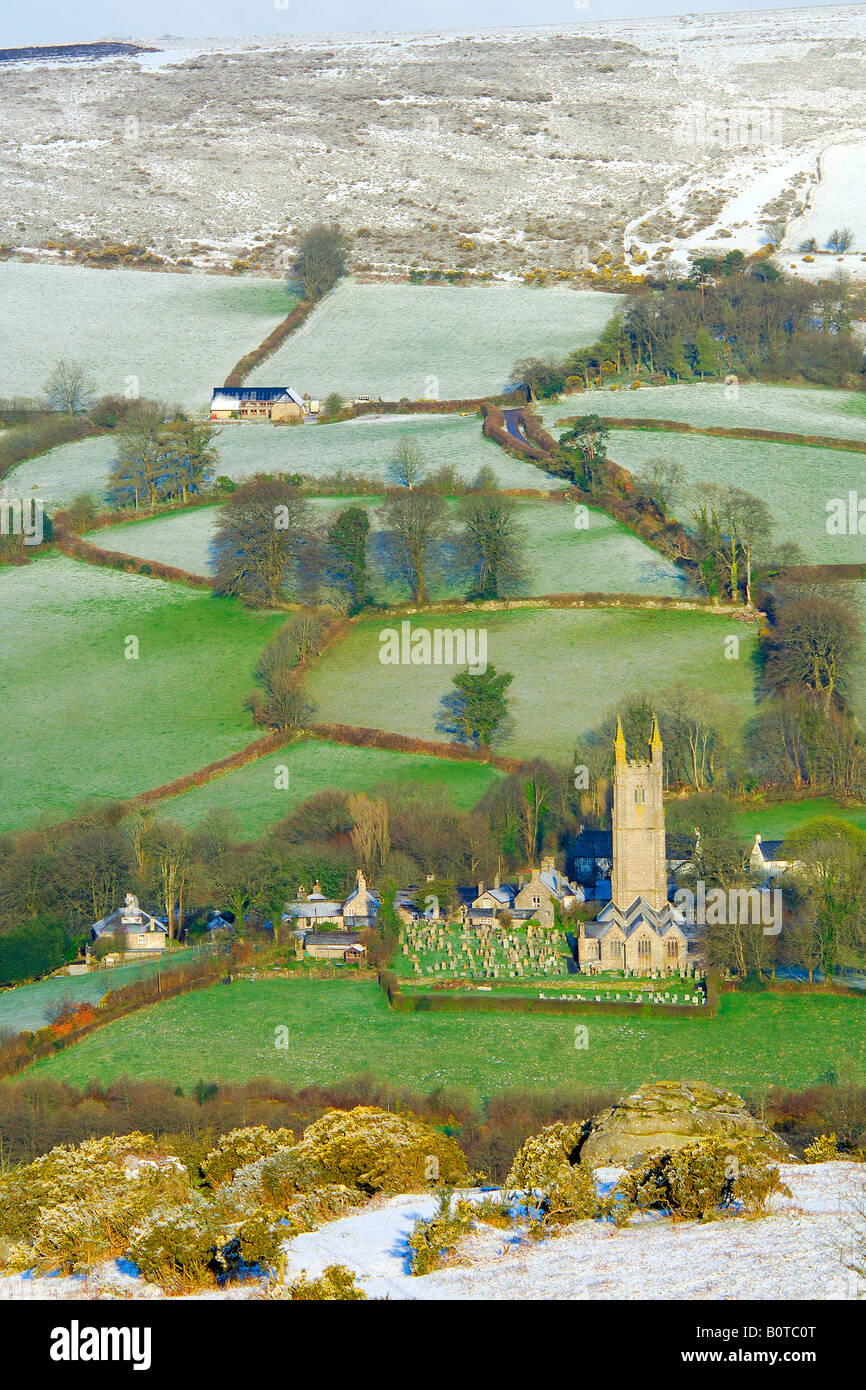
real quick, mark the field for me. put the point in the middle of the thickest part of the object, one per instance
(796, 483)
(339, 1030)
(29, 1006)
(416, 341)
(166, 336)
(606, 557)
(570, 668)
(361, 447)
(793, 409)
(837, 200)
(250, 794)
(80, 720)
(775, 821)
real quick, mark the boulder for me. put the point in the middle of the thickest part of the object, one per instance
(668, 1114)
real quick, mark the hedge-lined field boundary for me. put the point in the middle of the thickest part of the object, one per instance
(76, 548)
(356, 736)
(811, 441)
(248, 363)
(24, 1048)
(403, 1002)
(43, 434)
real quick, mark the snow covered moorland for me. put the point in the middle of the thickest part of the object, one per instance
(799, 1251)
(652, 133)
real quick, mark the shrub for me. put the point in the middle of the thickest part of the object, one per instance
(698, 1180)
(376, 1151)
(824, 1149)
(334, 1284)
(92, 1171)
(538, 1162)
(241, 1147)
(176, 1246)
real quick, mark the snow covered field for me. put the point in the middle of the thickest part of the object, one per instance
(437, 341)
(360, 447)
(168, 337)
(798, 1252)
(795, 409)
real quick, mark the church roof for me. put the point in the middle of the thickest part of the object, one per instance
(638, 914)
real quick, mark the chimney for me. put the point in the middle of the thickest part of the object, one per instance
(496, 882)
(480, 887)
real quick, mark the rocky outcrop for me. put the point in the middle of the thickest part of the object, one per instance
(669, 1114)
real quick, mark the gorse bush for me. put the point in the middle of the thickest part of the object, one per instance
(377, 1151)
(334, 1284)
(537, 1163)
(698, 1181)
(825, 1149)
(240, 1147)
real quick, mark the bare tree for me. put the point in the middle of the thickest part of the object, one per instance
(69, 389)
(407, 467)
(417, 522)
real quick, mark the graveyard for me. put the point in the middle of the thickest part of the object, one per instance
(524, 961)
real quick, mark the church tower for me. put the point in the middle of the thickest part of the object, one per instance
(639, 860)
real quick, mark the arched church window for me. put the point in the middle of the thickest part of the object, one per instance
(640, 796)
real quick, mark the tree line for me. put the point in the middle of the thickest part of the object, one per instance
(727, 314)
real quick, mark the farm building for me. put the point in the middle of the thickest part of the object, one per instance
(258, 403)
(334, 945)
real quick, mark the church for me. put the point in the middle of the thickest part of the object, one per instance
(638, 931)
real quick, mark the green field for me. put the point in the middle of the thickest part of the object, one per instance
(250, 793)
(80, 719)
(415, 341)
(362, 447)
(169, 337)
(796, 483)
(606, 557)
(792, 409)
(775, 820)
(342, 1029)
(570, 668)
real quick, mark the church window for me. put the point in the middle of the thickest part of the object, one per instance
(673, 948)
(639, 796)
(644, 948)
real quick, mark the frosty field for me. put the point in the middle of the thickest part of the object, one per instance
(80, 720)
(796, 409)
(795, 482)
(420, 340)
(570, 668)
(606, 557)
(836, 200)
(251, 795)
(167, 336)
(361, 447)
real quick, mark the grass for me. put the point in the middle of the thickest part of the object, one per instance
(251, 795)
(796, 409)
(343, 1029)
(796, 482)
(774, 820)
(29, 1006)
(412, 341)
(170, 337)
(604, 557)
(81, 720)
(361, 447)
(570, 668)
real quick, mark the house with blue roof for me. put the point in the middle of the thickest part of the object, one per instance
(260, 403)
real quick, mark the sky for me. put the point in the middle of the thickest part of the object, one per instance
(70, 21)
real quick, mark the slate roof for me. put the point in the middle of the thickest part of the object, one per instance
(638, 914)
(333, 938)
(113, 924)
(769, 849)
